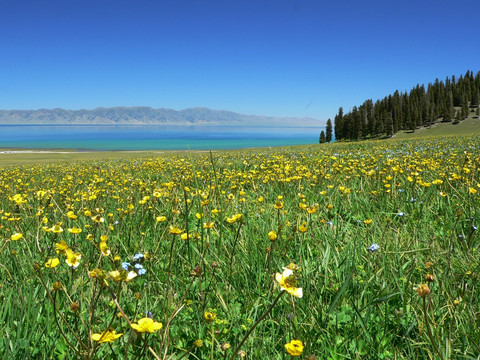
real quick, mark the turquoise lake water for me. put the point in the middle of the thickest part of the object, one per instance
(132, 137)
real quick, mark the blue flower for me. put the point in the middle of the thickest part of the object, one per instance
(138, 257)
(126, 266)
(372, 248)
(140, 270)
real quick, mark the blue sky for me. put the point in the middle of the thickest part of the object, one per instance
(299, 58)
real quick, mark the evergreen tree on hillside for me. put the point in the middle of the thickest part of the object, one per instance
(449, 109)
(338, 121)
(328, 131)
(421, 106)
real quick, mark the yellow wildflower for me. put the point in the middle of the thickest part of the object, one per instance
(272, 235)
(61, 247)
(209, 316)
(16, 236)
(73, 258)
(288, 282)
(106, 336)
(147, 325)
(52, 263)
(294, 347)
(422, 290)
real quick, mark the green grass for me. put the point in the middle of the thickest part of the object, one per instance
(417, 199)
(469, 126)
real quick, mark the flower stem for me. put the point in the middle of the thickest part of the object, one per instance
(429, 331)
(255, 325)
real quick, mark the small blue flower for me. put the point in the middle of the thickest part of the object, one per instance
(401, 214)
(401, 190)
(330, 223)
(474, 228)
(149, 314)
(138, 257)
(140, 270)
(412, 200)
(126, 266)
(372, 248)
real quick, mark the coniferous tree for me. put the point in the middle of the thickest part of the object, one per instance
(328, 131)
(338, 121)
(322, 139)
(449, 109)
(421, 106)
(464, 111)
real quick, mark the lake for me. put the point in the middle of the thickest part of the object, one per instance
(151, 137)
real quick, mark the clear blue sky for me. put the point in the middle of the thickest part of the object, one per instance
(299, 58)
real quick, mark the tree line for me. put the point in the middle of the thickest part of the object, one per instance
(447, 101)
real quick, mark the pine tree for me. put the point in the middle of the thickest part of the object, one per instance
(339, 133)
(322, 139)
(328, 131)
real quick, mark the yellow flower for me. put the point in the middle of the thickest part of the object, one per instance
(16, 236)
(115, 275)
(104, 248)
(368, 221)
(422, 290)
(96, 273)
(98, 218)
(208, 225)
(52, 263)
(106, 336)
(294, 347)
(73, 258)
(209, 316)
(303, 228)
(160, 218)
(472, 190)
(278, 205)
(71, 215)
(56, 228)
(288, 282)
(175, 230)
(198, 343)
(272, 235)
(147, 325)
(74, 230)
(61, 247)
(235, 218)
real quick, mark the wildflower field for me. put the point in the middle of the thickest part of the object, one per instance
(343, 251)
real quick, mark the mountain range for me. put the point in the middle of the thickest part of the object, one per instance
(141, 115)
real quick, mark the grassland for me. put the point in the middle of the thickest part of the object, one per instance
(381, 237)
(469, 126)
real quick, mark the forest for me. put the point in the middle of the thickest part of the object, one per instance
(451, 100)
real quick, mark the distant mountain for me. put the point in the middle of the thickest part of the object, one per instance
(140, 115)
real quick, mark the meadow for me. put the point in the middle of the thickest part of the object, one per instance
(337, 251)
